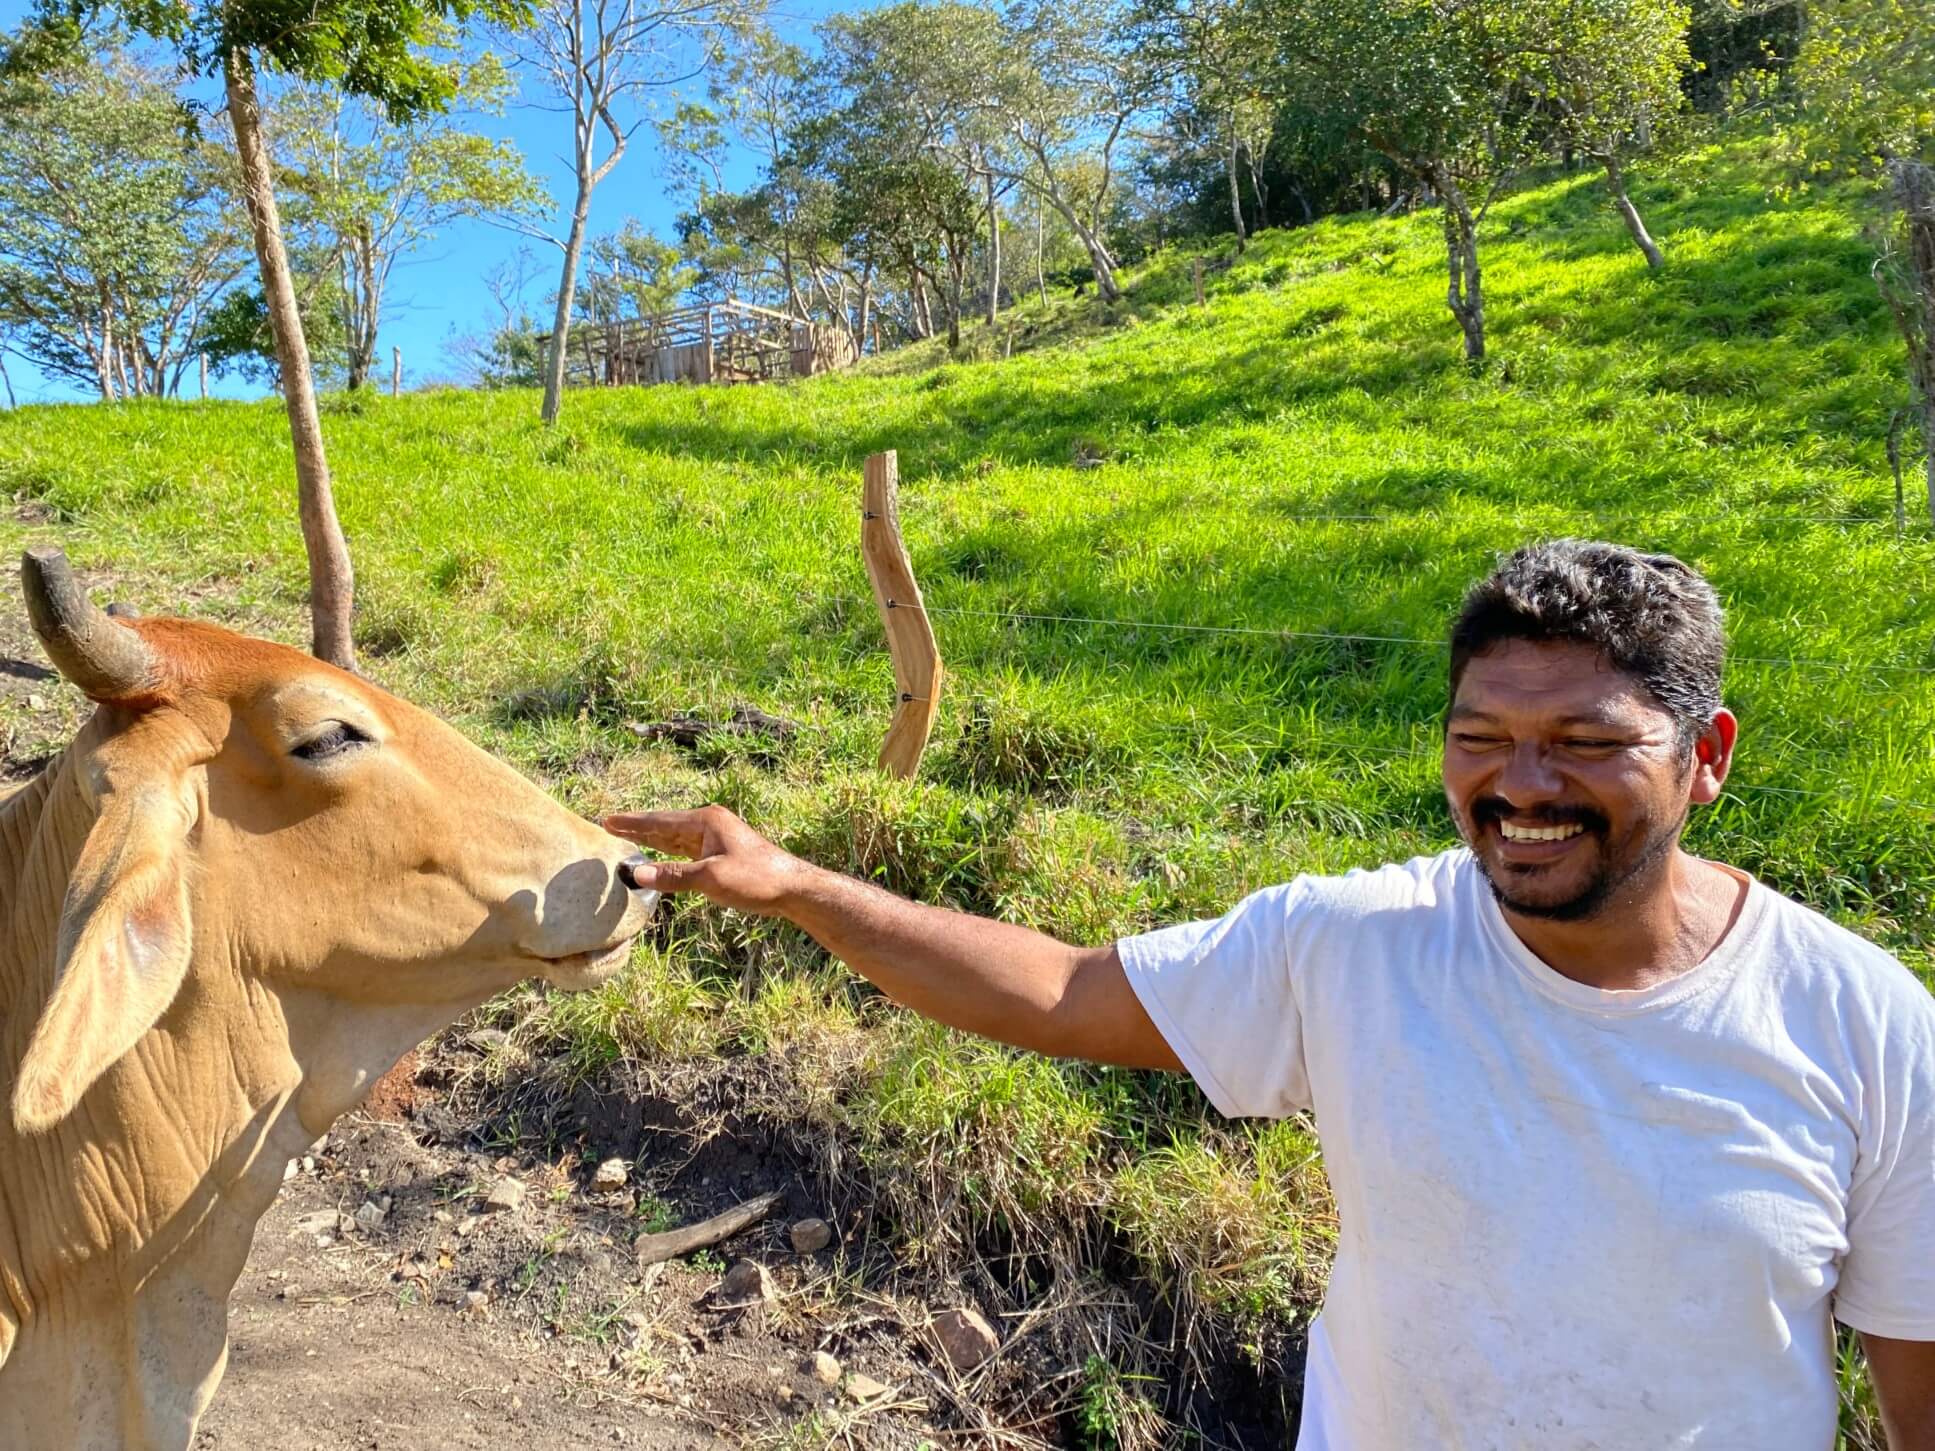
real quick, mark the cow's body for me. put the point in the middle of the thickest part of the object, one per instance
(319, 919)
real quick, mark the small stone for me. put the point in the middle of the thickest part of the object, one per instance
(747, 1283)
(370, 1217)
(506, 1194)
(441, 1216)
(611, 1174)
(308, 1163)
(290, 1170)
(317, 1221)
(966, 1338)
(783, 1393)
(825, 1369)
(466, 1225)
(810, 1236)
(36, 702)
(475, 1301)
(864, 1388)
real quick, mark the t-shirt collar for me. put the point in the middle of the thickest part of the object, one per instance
(1718, 965)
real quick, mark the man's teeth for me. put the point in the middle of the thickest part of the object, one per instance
(1538, 833)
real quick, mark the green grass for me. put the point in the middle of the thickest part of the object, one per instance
(687, 548)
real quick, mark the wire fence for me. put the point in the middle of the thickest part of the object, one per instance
(1273, 737)
(1784, 662)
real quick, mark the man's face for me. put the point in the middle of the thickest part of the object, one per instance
(1567, 780)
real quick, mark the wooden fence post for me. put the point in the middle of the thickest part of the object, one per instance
(396, 371)
(1199, 283)
(204, 373)
(910, 638)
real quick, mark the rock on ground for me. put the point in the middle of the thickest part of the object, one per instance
(966, 1338)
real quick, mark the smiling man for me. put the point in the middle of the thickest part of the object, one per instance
(1616, 1133)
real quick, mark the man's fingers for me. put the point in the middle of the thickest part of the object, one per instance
(680, 832)
(673, 876)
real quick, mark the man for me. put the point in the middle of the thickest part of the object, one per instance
(1615, 1132)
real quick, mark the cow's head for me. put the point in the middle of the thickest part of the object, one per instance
(288, 831)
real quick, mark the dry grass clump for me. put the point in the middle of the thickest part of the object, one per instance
(1239, 1224)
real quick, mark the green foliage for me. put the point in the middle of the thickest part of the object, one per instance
(236, 335)
(367, 48)
(118, 224)
(1867, 70)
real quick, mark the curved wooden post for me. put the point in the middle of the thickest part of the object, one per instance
(910, 638)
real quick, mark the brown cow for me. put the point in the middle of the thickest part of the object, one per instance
(248, 886)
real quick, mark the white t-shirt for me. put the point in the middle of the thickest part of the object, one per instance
(1572, 1218)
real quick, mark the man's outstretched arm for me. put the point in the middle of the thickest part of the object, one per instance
(992, 978)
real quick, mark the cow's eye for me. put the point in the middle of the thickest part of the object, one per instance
(336, 738)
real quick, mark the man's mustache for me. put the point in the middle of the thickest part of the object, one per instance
(1490, 810)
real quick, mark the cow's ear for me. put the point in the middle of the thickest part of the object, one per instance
(123, 948)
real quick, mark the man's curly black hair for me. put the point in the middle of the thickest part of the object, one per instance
(1650, 615)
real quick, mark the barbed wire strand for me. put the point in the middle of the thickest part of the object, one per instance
(1341, 636)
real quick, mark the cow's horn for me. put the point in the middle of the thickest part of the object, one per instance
(102, 656)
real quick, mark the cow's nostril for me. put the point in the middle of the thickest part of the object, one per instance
(628, 872)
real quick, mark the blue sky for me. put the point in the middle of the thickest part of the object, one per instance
(441, 289)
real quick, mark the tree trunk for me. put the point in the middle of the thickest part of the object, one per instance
(1236, 191)
(1041, 242)
(561, 321)
(1465, 294)
(956, 277)
(1909, 289)
(331, 581)
(1256, 185)
(994, 250)
(361, 304)
(1629, 214)
(922, 318)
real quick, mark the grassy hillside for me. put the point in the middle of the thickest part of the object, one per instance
(1305, 459)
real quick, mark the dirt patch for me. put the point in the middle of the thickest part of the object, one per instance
(431, 1320)
(394, 1097)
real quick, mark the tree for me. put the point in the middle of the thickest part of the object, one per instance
(757, 98)
(1612, 77)
(599, 58)
(237, 336)
(118, 226)
(507, 353)
(370, 192)
(1867, 73)
(1220, 106)
(1439, 88)
(913, 93)
(1075, 79)
(634, 274)
(365, 48)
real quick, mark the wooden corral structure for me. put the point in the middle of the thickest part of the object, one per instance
(719, 342)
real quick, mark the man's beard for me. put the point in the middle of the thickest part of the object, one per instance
(1600, 888)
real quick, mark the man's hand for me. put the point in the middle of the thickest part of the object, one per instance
(993, 978)
(727, 860)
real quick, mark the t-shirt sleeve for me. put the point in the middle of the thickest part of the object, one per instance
(1887, 1282)
(1221, 993)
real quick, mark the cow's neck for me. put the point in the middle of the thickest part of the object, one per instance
(123, 1229)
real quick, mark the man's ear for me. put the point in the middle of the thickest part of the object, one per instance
(1713, 757)
(122, 952)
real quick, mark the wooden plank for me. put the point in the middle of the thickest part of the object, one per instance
(910, 636)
